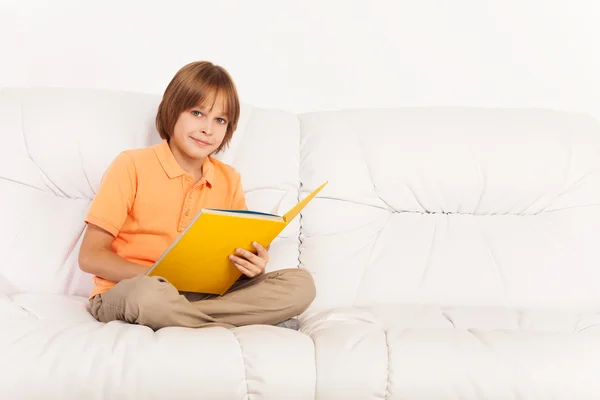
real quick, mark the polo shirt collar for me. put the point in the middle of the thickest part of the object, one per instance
(173, 169)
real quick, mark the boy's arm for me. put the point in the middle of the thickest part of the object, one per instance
(105, 218)
(97, 258)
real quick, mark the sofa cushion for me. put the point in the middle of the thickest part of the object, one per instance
(52, 343)
(420, 351)
(452, 206)
(57, 144)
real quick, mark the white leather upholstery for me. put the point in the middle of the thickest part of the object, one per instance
(426, 352)
(53, 348)
(454, 251)
(58, 144)
(453, 207)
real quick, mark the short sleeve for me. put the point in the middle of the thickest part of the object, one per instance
(115, 197)
(239, 198)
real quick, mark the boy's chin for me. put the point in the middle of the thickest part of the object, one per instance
(199, 155)
(203, 153)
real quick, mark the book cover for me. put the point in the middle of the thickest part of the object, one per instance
(198, 260)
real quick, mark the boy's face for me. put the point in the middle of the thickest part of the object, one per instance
(200, 131)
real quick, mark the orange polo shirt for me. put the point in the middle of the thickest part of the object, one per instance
(146, 200)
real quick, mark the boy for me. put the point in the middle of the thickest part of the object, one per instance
(149, 195)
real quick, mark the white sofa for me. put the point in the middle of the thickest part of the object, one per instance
(456, 253)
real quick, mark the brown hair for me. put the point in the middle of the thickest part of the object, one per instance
(195, 84)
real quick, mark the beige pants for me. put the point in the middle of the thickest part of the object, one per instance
(152, 301)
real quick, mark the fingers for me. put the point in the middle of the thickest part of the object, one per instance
(253, 258)
(246, 267)
(248, 263)
(262, 252)
(244, 270)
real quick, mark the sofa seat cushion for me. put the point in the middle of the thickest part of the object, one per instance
(396, 351)
(52, 343)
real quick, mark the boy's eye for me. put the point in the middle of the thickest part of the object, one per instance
(221, 120)
(196, 113)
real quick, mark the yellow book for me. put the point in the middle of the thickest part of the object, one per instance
(198, 259)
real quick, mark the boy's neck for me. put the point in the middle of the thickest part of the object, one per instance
(191, 166)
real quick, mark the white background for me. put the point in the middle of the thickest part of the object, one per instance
(315, 55)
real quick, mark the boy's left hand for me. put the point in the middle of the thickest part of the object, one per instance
(251, 264)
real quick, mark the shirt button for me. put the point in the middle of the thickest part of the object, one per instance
(190, 196)
(188, 178)
(187, 213)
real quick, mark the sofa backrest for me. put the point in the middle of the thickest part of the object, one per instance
(57, 144)
(452, 206)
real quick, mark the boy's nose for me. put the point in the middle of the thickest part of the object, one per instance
(206, 130)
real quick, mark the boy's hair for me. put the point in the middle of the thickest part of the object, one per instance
(196, 84)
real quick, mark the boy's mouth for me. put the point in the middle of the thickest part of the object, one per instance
(200, 142)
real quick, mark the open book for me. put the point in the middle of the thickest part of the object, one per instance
(198, 259)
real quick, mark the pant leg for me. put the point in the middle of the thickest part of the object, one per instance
(267, 299)
(149, 301)
(154, 302)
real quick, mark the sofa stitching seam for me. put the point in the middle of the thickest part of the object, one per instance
(244, 364)
(387, 379)
(30, 313)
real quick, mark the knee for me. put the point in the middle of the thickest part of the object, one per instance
(308, 288)
(141, 296)
(143, 293)
(303, 290)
